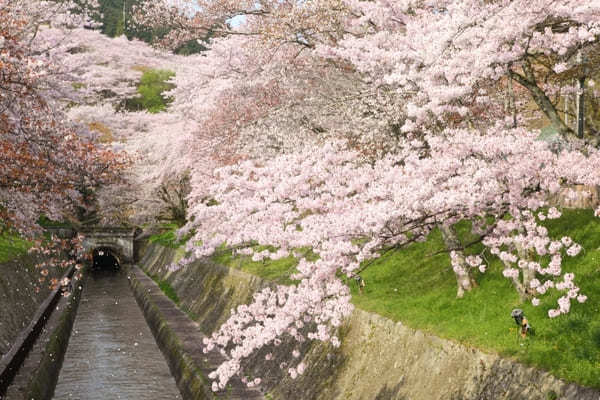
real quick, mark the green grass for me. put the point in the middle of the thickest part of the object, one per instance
(420, 291)
(278, 271)
(150, 89)
(419, 288)
(168, 291)
(168, 237)
(12, 246)
(166, 288)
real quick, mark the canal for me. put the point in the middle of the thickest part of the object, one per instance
(112, 353)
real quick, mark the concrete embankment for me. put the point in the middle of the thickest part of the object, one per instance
(378, 359)
(180, 340)
(43, 379)
(190, 381)
(20, 296)
(30, 368)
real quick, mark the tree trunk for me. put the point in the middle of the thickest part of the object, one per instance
(521, 290)
(527, 273)
(543, 102)
(512, 104)
(522, 286)
(566, 105)
(580, 107)
(463, 280)
(528, 276)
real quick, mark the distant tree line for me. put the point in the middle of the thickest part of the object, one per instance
(116, 19)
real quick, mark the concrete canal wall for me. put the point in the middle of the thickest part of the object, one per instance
(19, 298)
(378, 359)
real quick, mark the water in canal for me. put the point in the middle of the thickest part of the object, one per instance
(112, 353)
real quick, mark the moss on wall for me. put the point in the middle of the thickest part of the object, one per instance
(189, 380)
(378, 358)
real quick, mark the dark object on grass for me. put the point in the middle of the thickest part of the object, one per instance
(360, 282)
(521, 320)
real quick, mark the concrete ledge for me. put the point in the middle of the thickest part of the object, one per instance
(43, 383)
(11, 361)
(190, 382)
(180, 340)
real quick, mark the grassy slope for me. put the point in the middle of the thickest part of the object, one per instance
(277, 271)
(150, 90)
(12, 246)
(419, 289)
(168, 237)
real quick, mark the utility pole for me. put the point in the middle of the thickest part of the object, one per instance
(511, 102)
(566, 99)
(124, 20)
(581, 97)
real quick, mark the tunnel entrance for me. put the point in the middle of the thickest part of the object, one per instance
(104, 259)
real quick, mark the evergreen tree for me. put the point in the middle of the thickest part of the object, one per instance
(116, 19)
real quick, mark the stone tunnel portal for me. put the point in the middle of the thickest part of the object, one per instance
(104, 258)
(116, 242)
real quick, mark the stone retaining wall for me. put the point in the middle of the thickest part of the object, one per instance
(43, 381)
(379, 359)
(191, 384)
(19, 299)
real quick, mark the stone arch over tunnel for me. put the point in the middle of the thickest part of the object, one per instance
(106, 259)
(118, 240)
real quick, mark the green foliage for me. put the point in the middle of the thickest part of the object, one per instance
(168, 237)
(45, 222)
(12, 246)
(150, 90)
(112, 16)
(116, 19)
(191, 47)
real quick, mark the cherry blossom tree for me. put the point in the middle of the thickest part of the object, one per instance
(452, 55)
(352, 128)
(250, 100)
(348, 211)
(445, 79)
(157, 144)
(464, 64)
(293, 22)
(50, 167)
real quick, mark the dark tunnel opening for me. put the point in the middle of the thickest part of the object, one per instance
(103, 259)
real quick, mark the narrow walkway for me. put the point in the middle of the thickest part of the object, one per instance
(18, 388)
(190, 336)
(112, 353)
